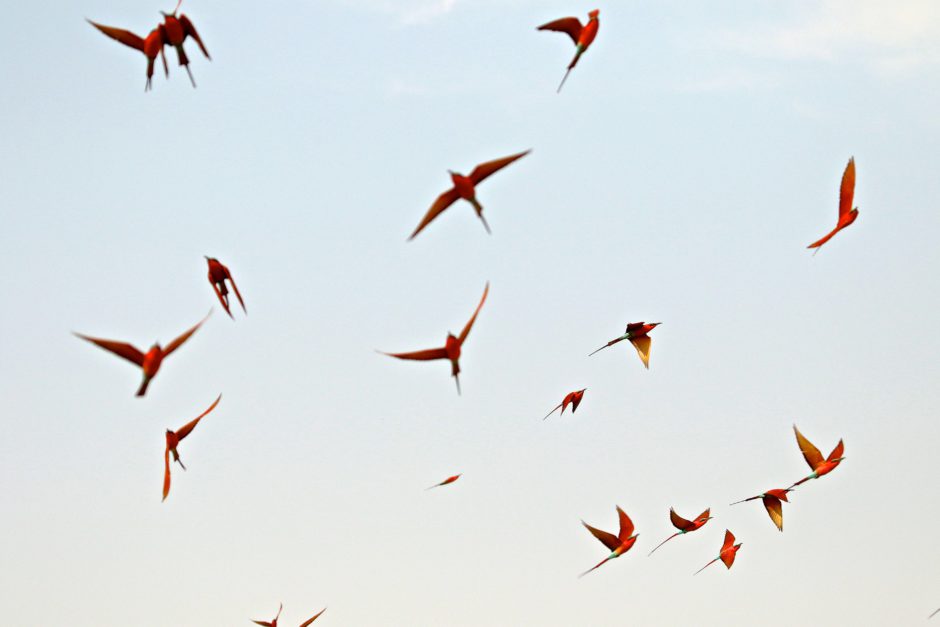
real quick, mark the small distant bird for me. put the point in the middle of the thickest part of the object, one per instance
(815, 459)
(173, 439)
(273, 623)
(728, 550)
(446, 481)
(638, 334)
(618, 544)
(452, 346)
(218, 274)
(582, 36)
(772, 500)
(685, 526)
(149, 362)
(571, 398)
(465, 187)
(847, 213)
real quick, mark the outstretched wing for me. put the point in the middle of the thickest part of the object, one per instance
(172, 346)
(483, 170)
(847, 189)
(626, 526)
(189, 426)
(774, 510)
(235, 287)
(570, 25)
(263, 623)
(466, 329)
(729, 541)
(642, 346)
(190, 30)
(810, 453)
(166, 473)
(425, 355)
(126, 37)
(704, 514)
(443, 201)
(218, 294)
(608, 539)
(121, 349)
(836, 452)
(678, 521)
(315, 617)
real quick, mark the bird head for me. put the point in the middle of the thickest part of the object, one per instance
(593, 14)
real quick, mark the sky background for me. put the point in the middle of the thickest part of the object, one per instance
(693, 155)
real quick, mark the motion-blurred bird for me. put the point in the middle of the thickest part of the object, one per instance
(465, 187)
(446, 481)
(218, 274)
(728, 550)
(582, 36)
(618, 544)
(772, 500)
(173, 439)
(815, 459)
(684, 526)
(452, 346)
(573, 399)
(149, 362)
(273, 623)
(638, 334)
(847, 213)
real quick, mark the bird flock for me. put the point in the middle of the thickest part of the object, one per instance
(177, 27)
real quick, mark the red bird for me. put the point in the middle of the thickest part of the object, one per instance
(728, 550)
(465, 187)
(452, 346)
(582, 36)
(815, 459)
(618, 544)
(847, 213)
(218, 274)
(173, 439)
(273, 623)
(446, 481)
(149, 362)
(173, 32)
(573, 399)
(684, 526)
(638, 334)
(773, 502)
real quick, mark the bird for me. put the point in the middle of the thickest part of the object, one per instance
(452, 346)
(772, 500)
(618, 544)
(728, 550)
(218, 274)
(175, 32)
(582, 36)
(638, 334)
(446, 481)
(935, 612)
(465, 187)
(815, 459)
(273, 623)
(573, 399)
(173, 439)
(684, 526)
(847, 213)
(148, 362)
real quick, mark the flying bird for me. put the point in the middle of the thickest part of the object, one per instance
(728, 550)
(815, 459)
(218, 274)
(847, 213)
(638, 334)
(446, 481)
(773, 502)
(465, 187)
(582, 36)
(173, 439)
(573, 399)
(618, 544)
(273, 623)
(684, 526)
(452, 346)
(150, 361)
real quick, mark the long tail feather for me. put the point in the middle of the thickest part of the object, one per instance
(601, 563)
(705, 566)
(663, 542)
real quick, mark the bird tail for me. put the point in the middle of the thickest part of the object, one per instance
(705, 566)
(143, 386)
(553, 411)
(663, 542)
(574, 62)
(803, 480)
(743, 501)
(599, 564)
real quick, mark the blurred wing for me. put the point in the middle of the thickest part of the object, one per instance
(774, 510)
(469, 325)
(218, 294)
(166, 473)
(189, 426)
(237, 293)
(426, 355)
(729, 541)
(172, 346)
(836, 452)
(847, 189)
(810, 453)
(570, 25)
(678, 521)
(443, 201)
(626, 525)
(483, 170)
(126, 37)
(608, 539)
(121, 349)
(190, 30)
(642, 346)
(313, 618)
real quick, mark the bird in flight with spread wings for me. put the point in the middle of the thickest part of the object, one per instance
(847, 213)
(572, 398)
(582, 36)
(173, 439)
(815, 459)
(685, 526)
(638, 334)
(773, 501)
(728, 550)
(618, 544)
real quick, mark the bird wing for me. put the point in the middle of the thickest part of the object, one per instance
(425, 355)
(642, 346)
(608, 539)
(825, 238)
(847, 189)
(484, 170)
(774, 510)
(810, 453)
(263, 623)
(473, 318)
(678, 521)
(704, 514)
(443, 201)
(166, 473)
(218, 294)
(189, 426)
(570, 25)
(626, 526)
(729, 541)
(172, 346)
(235, 287)
(121, 349)
(315, 617)
(728, 557)
(190, 30)
(126, 37)
(836, 452)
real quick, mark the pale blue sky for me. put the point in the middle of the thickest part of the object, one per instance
(692, 156)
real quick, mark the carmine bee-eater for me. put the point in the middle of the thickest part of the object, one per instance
(218, 274)
(273, 623)
(582, 36)
(618, 544)
(684, 526)
(452, 347)
(815, 459)
(446, 481)
(638, 334)
(573, 399)
(728, 550)
(173, 439)
(465, 187)
(150, 361)
(847, 213)
(773, 502)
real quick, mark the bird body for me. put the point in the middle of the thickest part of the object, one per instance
(218, 275)
(638, 334)
(572, 398)
(773, 502)
(618, 544)
(728, 552)
(847, 213)
(582, 36)
(446, 481)
(684, 526)
(814, 458)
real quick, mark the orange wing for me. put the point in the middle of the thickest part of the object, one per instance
(263, 623)
(608, 539)
(166, 473)
(704, 514)
(172, 346)
(729, 541)
(235, 287)
(190, 30)
(126, 37)
(121, 349)
(473, 318)
(425, 355)
(189, 426)
(484, 170)
(315, 617)
(626, 526)
(836, 452)
(810, 453)
(847, 189)
(642, 346)
(678, 521)
(218, 294)
(774, 510)
(570, 25)
(443, 201)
